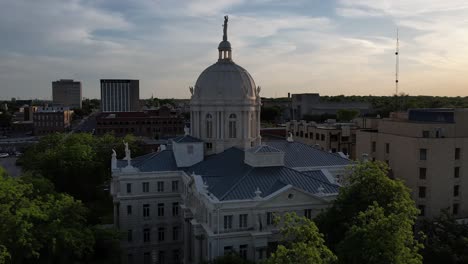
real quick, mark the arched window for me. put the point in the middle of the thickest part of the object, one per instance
(232, 126)
(209, 126)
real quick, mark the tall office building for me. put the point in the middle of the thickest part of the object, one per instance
(66, 92)
(120, 95)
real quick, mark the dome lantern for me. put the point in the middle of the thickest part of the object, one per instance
(224, 48)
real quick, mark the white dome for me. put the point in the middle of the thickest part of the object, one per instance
(225, 80)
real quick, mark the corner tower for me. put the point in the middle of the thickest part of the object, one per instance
(225, 104)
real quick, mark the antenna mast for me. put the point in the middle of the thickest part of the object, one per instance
(397, 62)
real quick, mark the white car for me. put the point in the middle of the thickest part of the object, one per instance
(4, 155)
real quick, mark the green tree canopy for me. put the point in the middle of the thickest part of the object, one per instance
(301, 243)
(346, 114)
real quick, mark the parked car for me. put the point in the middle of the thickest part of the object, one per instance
(4, 155)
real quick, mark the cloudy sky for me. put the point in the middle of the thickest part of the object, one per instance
(326, 46)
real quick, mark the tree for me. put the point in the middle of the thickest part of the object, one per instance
(270, 114)
(445, 241)
(368, 184)
(346, 114)
(301, 242)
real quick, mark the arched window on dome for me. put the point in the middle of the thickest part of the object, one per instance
(209, 126)
(232, 126)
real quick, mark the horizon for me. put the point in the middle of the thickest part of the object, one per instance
(328, 48)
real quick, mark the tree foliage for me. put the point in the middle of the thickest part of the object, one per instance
(445, 240)
(369, 204)
(346, 114)
(301, 242)
(270, 114)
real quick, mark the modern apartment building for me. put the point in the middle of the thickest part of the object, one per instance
(120, 95)
(332, 137)
(428, 150)
(66, 92)
(51, 119)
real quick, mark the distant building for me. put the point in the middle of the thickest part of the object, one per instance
(428, 150)
(332, 137)
(51, 120)
(66, 92)
(310, 104)
(120, 95)
(157, 123)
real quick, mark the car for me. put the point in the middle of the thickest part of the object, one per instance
(4, 155)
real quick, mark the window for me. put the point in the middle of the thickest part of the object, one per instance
(374, 146)
(145, 186)
(387, 148)
(209, 126)
(146, 235)
(422, 154)
(311, 135)
(457, 153)
(425, 134)
(146, 258)
(232, 126)
(160, 209)
(129, 210)
(317, 136)
(190, 149)
(422, 209)
(242, 220)
(455, 209)
(209, 145)
(456, 172)
(422, 173)
(161, 232)
(175, 209)
(161, 257)
(175, 233)
(301, 133)
(129, 187)
(269, 219)
(243, 251)
(456, 190)
(160, 186)
(129, 235)
(422, 192)
(308, 213)
(227, 250)
(175, 186)
(146, 210)
(227, 222)
(176, 256)
(322, 136)
(344, 138)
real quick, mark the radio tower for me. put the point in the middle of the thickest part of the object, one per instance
(397, 62)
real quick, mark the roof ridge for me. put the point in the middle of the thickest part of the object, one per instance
(236, 184)
(151, 155)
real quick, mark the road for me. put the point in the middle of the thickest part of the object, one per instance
(88, 124)
(10, 166)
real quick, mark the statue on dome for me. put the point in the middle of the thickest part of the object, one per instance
(225, 27)
(191, 90)
(258, 90)
(127, 152)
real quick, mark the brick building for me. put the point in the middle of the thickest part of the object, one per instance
(48, 120)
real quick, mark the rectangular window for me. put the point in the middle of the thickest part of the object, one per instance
(227, 250)
(422, 192)
(209, 145)
(147, 258)
(161, 232)
(308, 213)
(387, 148)
(457, 153)
(243, 251)
(129, 210)
(422, 209)
(161, 257)
(160, 186)
(129, 235)
(322, 136)
(176, 256)
(423, 154)
(227, 222)
(422, 173)
(311, 135)
(160, 209)
(175, 209)
(146, 235)
(317, 136)
(374, 146)
(232, 129)
(456, 172)
(129, 187)
(425, 134)
(146, 210)
(456, 190)
(242, 220)
(455, 209)
(145, 186)
(175, 186)
(175, 233)
(269, 219)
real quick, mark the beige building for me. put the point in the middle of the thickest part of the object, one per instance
(426, 148)
(332, 137)
(66, 92)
